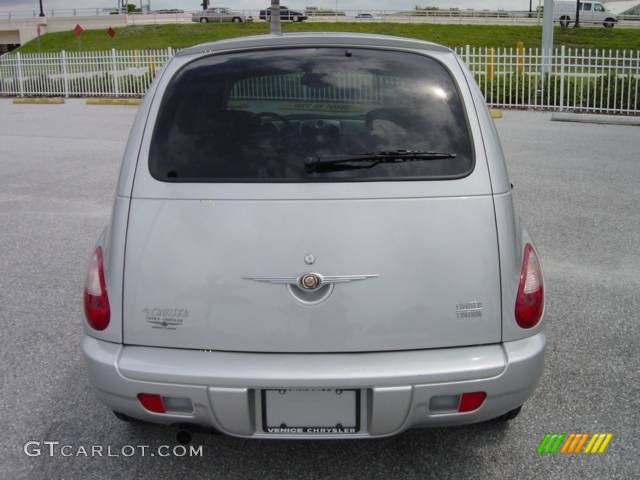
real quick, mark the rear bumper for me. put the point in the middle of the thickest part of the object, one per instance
(396, 386)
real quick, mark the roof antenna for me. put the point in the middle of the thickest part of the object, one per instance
(276, 28)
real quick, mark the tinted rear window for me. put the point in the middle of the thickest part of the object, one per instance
(260, 116)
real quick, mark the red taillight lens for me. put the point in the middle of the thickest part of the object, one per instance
(96, 302)
(471, 401)
(530, 297)
(152, 402)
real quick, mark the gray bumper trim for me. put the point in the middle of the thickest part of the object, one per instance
(229, 369)
(224, 387)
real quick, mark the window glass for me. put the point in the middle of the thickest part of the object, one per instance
(263, 116)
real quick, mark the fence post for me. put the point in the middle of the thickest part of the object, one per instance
(490, 68)
(467, 56)
(561, 77)
(170, 52)
(520, 57)
(65, 76)
(19, 72)
(116, 90)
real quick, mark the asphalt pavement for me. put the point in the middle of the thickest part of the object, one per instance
(576, 188)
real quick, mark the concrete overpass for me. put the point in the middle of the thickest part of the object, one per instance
(17, 30)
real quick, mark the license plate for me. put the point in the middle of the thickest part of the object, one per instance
(311, 411)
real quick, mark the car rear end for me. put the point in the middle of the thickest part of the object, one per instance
(319, 242)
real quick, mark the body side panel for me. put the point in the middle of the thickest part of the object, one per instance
(112, 240)
(512, 237)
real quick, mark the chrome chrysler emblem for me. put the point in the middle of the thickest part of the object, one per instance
(310, 280)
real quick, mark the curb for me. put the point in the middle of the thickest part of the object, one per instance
(114, 101)
(495, 113)
(38, 101)
(593, 118)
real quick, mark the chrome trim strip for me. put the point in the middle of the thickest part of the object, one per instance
(324, 279)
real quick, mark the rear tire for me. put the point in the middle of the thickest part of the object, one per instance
(609, 23)
(565, 21)
(204, 20)
(510, 415)
(125, 418)
(237, 20)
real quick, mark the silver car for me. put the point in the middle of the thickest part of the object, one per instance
(313, 236)
(220, 15)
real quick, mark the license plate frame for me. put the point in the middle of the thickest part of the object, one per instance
(296, 409)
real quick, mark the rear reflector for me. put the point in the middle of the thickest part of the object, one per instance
(471, 401)
(159, 404)
(152, 402)
(444, 403)
(177, 404)
(530, 297)
(96, 301)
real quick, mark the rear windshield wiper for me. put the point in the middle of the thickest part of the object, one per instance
(344, 162)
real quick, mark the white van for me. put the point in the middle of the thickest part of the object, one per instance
(590, 12)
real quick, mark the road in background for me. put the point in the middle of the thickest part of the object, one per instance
(576, 187)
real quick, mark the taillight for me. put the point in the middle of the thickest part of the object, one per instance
(471, 401)
(152, 402)
(96, 302)
(530, 297)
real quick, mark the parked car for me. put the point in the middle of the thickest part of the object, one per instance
(220, 15)
(285, 14)
(313, 236)
(590, 12)
(364, 16)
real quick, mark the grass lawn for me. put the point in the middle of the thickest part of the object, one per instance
(183, 35)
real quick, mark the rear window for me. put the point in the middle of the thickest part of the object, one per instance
(265, 116)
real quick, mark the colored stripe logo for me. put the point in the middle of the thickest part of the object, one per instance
(574, 443)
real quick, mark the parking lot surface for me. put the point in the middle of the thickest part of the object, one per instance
(576, 188)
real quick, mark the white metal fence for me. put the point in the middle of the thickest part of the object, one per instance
(568, 79)
(583, 80)
(118, 73)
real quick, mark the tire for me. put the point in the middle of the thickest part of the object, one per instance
(295, 19)
(565, 21)
(125, 418)
(609, 23)
(236, 20)
(510, 415)
(204, 20)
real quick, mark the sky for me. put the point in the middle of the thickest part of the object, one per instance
(16, 5)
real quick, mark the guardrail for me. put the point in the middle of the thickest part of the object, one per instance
(338, 15)
(582, 80)
(59, 12)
